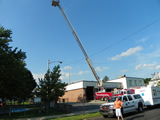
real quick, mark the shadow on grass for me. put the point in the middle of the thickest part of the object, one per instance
(34, 111)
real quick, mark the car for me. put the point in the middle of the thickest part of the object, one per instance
(131, 103)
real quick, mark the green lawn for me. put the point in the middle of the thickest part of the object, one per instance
(33, 112)
(78, 117)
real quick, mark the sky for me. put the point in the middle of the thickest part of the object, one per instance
(121, 37)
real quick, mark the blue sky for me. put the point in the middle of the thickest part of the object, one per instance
(120, 36)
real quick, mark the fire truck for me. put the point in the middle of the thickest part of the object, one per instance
(98, 95)
(56, 3)
(105, 96)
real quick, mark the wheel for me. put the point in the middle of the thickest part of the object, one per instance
(106, 99)
(105, 116)
(102, 98)
(140, 108)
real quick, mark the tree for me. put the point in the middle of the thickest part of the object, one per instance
(51, 87)
(106, 78)
(158, 84)
(26, 86)
(146, 81)
(12, 68)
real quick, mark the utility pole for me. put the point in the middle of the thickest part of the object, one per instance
(69, 76)
(52, 62)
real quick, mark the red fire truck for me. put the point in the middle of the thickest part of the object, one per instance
(105, 96)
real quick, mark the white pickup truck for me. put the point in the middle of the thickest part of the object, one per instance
(131, 102)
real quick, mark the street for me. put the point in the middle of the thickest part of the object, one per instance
(86, 107)
(147, 114)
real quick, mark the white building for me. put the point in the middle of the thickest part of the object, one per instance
(129, 82)
(155, 79)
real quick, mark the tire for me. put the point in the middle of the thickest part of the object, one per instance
(102, 98)
(106, 99)
(105, 116)
(140, 108)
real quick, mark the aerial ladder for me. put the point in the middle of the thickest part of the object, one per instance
(99, 82)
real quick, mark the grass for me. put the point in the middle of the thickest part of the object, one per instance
(78, 117)
(33, 112)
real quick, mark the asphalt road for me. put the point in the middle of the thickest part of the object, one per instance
(148, 114)
(90, 106)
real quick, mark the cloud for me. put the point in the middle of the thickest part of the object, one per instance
(83, 72)
(158, 67)
(67, 67)
(36, 76)
(147, 66)
(143, 39)
(129, 52)
(123, 71)
(99, 69)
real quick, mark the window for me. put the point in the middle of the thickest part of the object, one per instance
(130, 83)
(140, 83)
(154, 92)
(137, 96)
(125, 98)
(130, 92)
(130, 98)
(124, 92)
(120, 98)
(135, 82)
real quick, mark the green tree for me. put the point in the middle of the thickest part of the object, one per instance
(106, 78)
(26, 86)
(146, 81)
(51, 87)
(12, 67)
(158, 84)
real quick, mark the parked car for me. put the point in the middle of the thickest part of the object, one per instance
(131, 102)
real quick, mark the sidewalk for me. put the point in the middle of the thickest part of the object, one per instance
(56, 116)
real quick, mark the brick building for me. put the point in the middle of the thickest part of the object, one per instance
(76, 91)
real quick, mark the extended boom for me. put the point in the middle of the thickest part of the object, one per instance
(56, 3)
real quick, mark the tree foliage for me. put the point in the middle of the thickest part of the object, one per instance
(106, 78)
(51, 87)
(158, 84)
(146, 81)
(14, 76)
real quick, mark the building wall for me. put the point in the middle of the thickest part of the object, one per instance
(75, 86)
(121, 80)
(134, 82)
(73, 95)
(129, 82)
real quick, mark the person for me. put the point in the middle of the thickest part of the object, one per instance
(118, 105)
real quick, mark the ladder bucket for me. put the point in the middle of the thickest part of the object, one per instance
(55, 3)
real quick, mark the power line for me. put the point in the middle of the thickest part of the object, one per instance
(117, 42)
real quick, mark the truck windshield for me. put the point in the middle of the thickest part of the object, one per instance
(113, 99)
